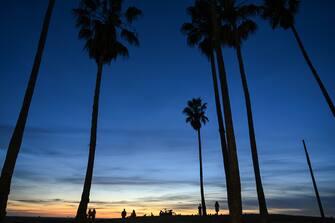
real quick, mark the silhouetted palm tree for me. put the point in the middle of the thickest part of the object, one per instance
(205, 16)
(218, 37)
(313, 180)
(237, 26)
(17, 136)
(195, 115)
(200, 34)
(102, 25)
(281, 13)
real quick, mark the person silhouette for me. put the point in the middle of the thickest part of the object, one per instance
(123, 214)
(133, 214)
(93, 214)
(217, 208)
(199, 210)
(89, 214)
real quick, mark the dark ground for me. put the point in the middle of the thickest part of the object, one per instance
(178, 219)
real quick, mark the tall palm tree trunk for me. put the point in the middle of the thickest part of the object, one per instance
(221, 126)
(314, 182)
(16, 139)
(236, 211)
(85, 197)
(235, 207)
(260, 193)
(315, 74)
(203, 204)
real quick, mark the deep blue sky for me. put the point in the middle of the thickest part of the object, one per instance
(146, 155)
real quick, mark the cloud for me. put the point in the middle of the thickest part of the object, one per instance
(127, 181)
(32, 201)
(134, 159)
(58, 141)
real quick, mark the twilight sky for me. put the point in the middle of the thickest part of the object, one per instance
(146, 157)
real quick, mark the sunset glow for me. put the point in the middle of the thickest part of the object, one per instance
(146, 155)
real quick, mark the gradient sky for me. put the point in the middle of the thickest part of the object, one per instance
(146, 157)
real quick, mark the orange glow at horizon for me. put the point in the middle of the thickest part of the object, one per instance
(57, 209)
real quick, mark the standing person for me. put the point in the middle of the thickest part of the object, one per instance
(89, 215)
(199, 209)
(93, 214)
(133, 214)
(217, 208)
(123, 214)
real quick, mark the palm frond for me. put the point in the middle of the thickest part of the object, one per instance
(246, 28)
(121, 49)
(132, 13)
(206, 47)
(85, 33)
(186, 28)
(294, 6)
(248, 10)
(115, 5)
(130, 37)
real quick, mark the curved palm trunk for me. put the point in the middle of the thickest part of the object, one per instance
(235, 206)
(16, 139)
(260, 193)
(85, 197)
(315, 73)
(221, 127)
(203, 204)
(314, 182)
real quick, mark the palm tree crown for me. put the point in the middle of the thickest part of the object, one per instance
(280, 13)
(195, 113)
(199, 31)
(103, 24)
(236, 22)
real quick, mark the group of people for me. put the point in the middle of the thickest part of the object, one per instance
(124, 214)
(217, 209)
(92, 212)
(91, 215)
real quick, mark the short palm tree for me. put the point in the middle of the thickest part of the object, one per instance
(102, 24)
(17, 136)
(281, 13)
(195, 115)
(199, 33)
(237, 25)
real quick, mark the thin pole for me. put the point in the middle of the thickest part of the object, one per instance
(314, 182)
